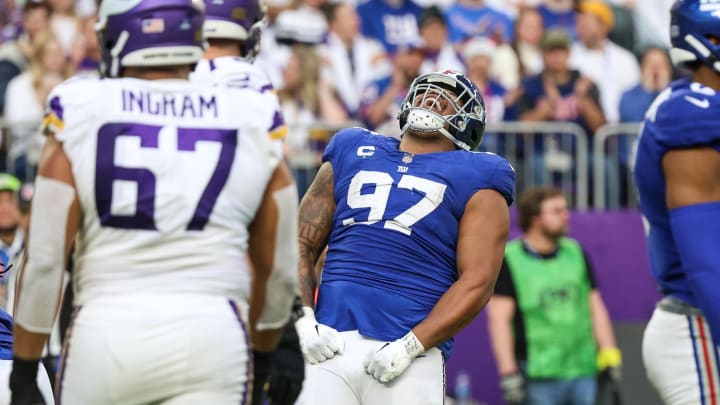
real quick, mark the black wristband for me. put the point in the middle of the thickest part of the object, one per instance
(25, 368)
(297, 309)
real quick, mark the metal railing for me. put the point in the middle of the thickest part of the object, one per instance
(614, 148)
(544, 153)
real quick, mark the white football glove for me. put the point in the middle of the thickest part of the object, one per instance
(393, 358)
(318, 342)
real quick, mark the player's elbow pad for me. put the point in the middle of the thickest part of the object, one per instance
(283, 280)
(41, 278)
(696, 230)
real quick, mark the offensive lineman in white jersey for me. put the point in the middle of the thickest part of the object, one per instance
(166, 186)
(232, 30)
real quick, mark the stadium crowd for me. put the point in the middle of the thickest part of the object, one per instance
(338, 63)
(335, 63)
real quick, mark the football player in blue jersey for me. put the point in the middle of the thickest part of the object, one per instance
(415, 231)
(677, 173)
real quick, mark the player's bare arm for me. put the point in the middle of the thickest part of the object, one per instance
(316, 212)
(693, 199)
(693, 176)
(32, 309)
(482, 236)
(271, 244)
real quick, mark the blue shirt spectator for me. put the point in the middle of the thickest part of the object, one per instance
(656, 73)
(635, 102)
(470, 18)
(392, 22)
(559, 19)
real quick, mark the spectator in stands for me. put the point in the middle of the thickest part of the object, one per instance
(64, 23)
(471, 18)
(86, 49)
(24, 101)
(548, 325)
(439, 53)
(353, 61)
(613, 68)
(656, 73)
(478, 54)
(15, 55)
(305, 100)
(651, 20)
(12, 235)
(560, 93)
(382, 98)
(273, 54)
(521, 58)
(559, 14)
(392, 22)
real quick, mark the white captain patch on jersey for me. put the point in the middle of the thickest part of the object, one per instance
(163, 168)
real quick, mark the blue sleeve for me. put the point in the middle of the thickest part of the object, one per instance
(503, 180)
(695, 230)
(339, 143)
(498, 175)
(688, 120)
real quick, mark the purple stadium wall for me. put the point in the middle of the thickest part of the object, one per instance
(615, 243)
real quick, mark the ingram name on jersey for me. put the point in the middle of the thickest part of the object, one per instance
(392, 250)
(169, 174)
(682, 116)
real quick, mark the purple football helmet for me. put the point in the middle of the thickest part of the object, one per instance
(148, 33)
(240, 20)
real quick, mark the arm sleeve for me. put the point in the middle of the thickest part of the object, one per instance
(590, 270)
(695, 230)
(505, 285)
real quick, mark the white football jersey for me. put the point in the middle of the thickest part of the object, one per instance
(169, 174)
(232, 70)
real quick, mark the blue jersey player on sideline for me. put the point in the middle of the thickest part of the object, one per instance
(415, 231)
(677, 173)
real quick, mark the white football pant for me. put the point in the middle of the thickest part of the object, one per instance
(165, 349)
(342, 380)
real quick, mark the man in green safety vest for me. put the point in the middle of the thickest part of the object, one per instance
(550, 331)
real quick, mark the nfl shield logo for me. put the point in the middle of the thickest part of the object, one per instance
(407, 158)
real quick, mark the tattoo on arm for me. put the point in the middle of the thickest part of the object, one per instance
(316, 212)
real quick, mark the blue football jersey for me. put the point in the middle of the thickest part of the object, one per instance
(392, 250)
(6, 336)
(684, 115)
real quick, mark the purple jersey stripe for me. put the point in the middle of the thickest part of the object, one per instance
(212, 64)
(267, 87)
(56, 107)
(63, 358)
(247, 387)
(278, 121)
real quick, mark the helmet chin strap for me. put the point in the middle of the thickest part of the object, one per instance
(422, 120)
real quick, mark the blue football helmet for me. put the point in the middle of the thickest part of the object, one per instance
(465, 126)
(240, 20)
(148, 33)
(692, 22)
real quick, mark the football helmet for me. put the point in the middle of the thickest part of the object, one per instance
(692, 22)
(148, 33)
(234, 19)
(465, 126)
